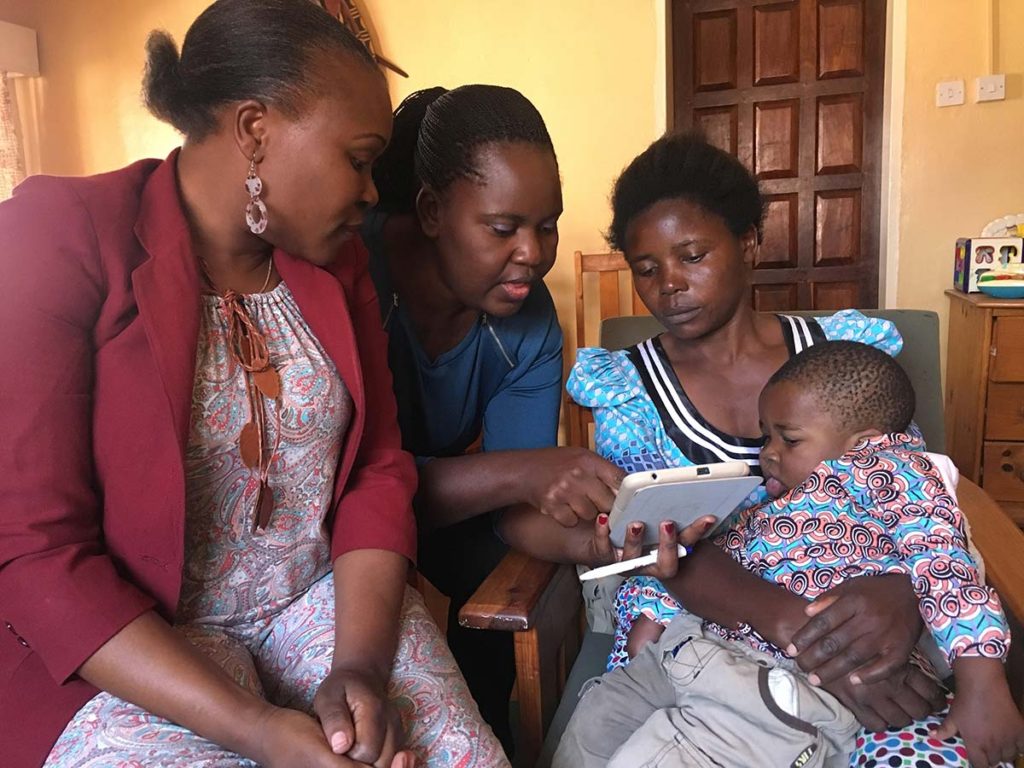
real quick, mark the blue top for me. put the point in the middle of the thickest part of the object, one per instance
(501, 383)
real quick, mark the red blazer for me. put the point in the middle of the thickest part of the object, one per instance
(99, 320)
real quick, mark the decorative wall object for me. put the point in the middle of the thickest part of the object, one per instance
(349, 14)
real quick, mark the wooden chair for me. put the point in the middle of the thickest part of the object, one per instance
(540, 601)
(614, 297)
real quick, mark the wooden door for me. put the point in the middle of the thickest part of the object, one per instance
(794, 89)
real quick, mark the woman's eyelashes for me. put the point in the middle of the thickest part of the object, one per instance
(503, 229)
(644, 270)
(649, 269)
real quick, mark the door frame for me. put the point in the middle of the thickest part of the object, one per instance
(894, 91)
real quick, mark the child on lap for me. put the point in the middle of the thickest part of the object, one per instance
(854, 495)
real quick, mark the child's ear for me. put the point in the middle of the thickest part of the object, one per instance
(428, 211)
(856, 437)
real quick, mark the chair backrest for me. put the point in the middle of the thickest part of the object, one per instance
(612, 273)
(919, 358)
(614, 296)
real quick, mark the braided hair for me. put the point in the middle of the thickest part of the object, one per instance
(859, 386)
(242, 49)
(438, 135)
(684, 166)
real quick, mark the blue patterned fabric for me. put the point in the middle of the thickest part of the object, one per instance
(880, 508)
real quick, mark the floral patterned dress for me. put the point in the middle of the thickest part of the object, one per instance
(261, 603)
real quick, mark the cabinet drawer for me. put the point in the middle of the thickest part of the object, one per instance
(1003, 476)
(1004, 412)
(1007, 349)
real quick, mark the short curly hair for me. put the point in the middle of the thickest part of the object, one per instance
(860, 386)
(684, 166)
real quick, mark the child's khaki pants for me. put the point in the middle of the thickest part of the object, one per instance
(693, 699)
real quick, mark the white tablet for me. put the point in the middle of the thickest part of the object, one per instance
(681, 494)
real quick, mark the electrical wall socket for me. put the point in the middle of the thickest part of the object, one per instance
(949, 93)
(990, 88)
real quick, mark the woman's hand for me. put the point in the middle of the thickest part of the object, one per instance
(865, 628)
(292, 739)
(357, 720)
(570, 484)
(602, 552)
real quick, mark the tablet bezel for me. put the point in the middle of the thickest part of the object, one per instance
(652, 496)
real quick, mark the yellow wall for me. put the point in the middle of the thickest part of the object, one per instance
(961, 166)
(590, 72)
(595, 76)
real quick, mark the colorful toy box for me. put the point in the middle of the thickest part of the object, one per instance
(977, 255)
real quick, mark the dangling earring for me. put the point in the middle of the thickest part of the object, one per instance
(256, 209)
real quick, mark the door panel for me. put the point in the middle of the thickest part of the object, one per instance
(774, 298)
(779, 247)
(719, 125)
(714, 50)
(777, 139)
(794, 89)
(834, 295)
(1007, 349)
(776, 44)
(841, 35)
(837, 228)
(840, 134)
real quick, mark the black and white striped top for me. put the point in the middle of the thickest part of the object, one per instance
(699, 440)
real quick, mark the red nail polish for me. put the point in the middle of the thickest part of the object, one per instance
(636, 529)
(602, 519)
(668, 526)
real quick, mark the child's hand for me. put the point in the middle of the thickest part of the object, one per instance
(984, 714)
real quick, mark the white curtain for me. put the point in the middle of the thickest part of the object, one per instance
(12, 160)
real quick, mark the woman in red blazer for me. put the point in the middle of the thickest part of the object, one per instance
(109, 354)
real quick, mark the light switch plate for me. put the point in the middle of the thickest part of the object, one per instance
(990, 88)
(949, 93)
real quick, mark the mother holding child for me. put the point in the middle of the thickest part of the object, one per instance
(848, 493)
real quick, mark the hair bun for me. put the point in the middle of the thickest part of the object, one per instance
(162, 86)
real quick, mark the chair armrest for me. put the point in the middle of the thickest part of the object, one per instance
(519, 592)
(1000, 542)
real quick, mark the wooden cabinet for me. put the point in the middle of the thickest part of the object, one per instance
(985, 395)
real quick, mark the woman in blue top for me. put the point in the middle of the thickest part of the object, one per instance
(466, 228)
